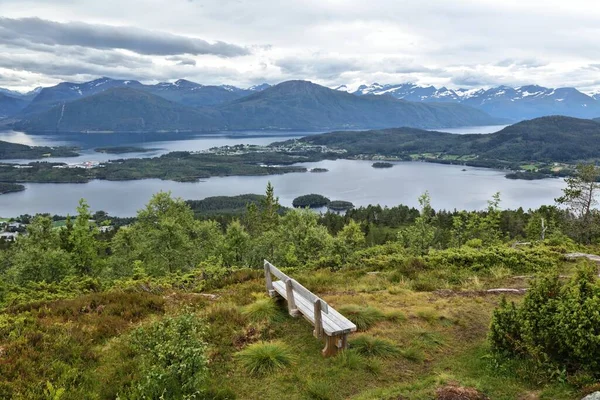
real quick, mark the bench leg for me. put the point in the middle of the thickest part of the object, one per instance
(333, 344)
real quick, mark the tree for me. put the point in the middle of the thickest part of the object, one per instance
(419, 237)
(580, 198)
(270, 208)
(236, 244)
(38, 257)
(84, 246)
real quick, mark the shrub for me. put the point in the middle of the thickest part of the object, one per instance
(173, 362)
(317, 390)
(557, 326)
(374, 347)
(363, 317)
(262, 310)
(262, 358)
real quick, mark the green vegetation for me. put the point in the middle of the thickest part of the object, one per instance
(382, 165)
(556, 327)
(10, 188)
(174, 306)
(340, 205)
(311, 201)
(374, 347)
(13, 151)
(224, 204)
(123, 149)
(317, 170)
(263, 358)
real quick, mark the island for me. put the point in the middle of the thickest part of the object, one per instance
(319, 170)
(382, 165)
(10, 187)
(311, 201)
(124, 149)
(15, 151)
(340, 205)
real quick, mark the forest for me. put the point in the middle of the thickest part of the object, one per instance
(172, 304)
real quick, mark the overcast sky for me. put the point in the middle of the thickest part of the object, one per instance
(457, 43)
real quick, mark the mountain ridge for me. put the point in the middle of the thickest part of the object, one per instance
(290, 105)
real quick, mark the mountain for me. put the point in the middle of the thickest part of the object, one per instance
(545, 139)
(290, 105)
(195, 95)
(596, 119)
(124, 110)
(520, 103)
(10, 105)
(68, 91)
(306, 106)
(181, 91)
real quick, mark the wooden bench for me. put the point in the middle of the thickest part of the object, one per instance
(329, 324)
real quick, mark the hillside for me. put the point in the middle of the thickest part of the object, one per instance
(547, 139)
(124, 110)
(174, 305)
(305, 105)
(10, 151)
(10, 105)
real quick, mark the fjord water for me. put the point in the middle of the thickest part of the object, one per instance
(450, 186)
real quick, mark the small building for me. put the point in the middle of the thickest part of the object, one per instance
(104, 229)
(16, 227)
(9, 236)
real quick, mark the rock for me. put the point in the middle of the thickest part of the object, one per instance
(592, 396)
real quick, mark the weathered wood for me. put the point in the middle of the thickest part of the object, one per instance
(330, 346)
(318, 332)
(329, 324)
(292, 309)
(268, 279)
(275, 271)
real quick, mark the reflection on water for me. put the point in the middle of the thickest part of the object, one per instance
(449, 186)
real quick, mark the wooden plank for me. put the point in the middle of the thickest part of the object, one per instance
(275, 271)
(268, 279)
(310, 296)
(318, 321)
(333, 322)
(289, 291)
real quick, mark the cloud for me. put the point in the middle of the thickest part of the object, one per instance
(36, 31)
(182, 60)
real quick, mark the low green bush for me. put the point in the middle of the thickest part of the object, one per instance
(265, 357)
(556, 326)
(173, 362)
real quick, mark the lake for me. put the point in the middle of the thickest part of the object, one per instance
(356, 181)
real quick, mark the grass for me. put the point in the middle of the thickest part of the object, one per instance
(257, 351)
(363, 316)
(263, 358)
(262, 310)
(374, 347)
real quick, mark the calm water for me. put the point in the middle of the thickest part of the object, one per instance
(356, 181)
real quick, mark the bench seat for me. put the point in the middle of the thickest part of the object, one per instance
(334, 323)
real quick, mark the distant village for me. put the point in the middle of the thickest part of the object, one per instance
(293, 146)
(11, 230)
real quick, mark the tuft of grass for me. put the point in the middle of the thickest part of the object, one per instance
(363, 317)
(412, 354)
(395, 316)
(225, 313)
(262, 310)
(318, 390)
(349, 359)
(374, 347)
(265, 357)
(427, 314)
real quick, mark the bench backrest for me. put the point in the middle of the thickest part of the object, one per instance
(301, 290)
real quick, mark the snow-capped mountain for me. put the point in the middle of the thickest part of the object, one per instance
(519, 103)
